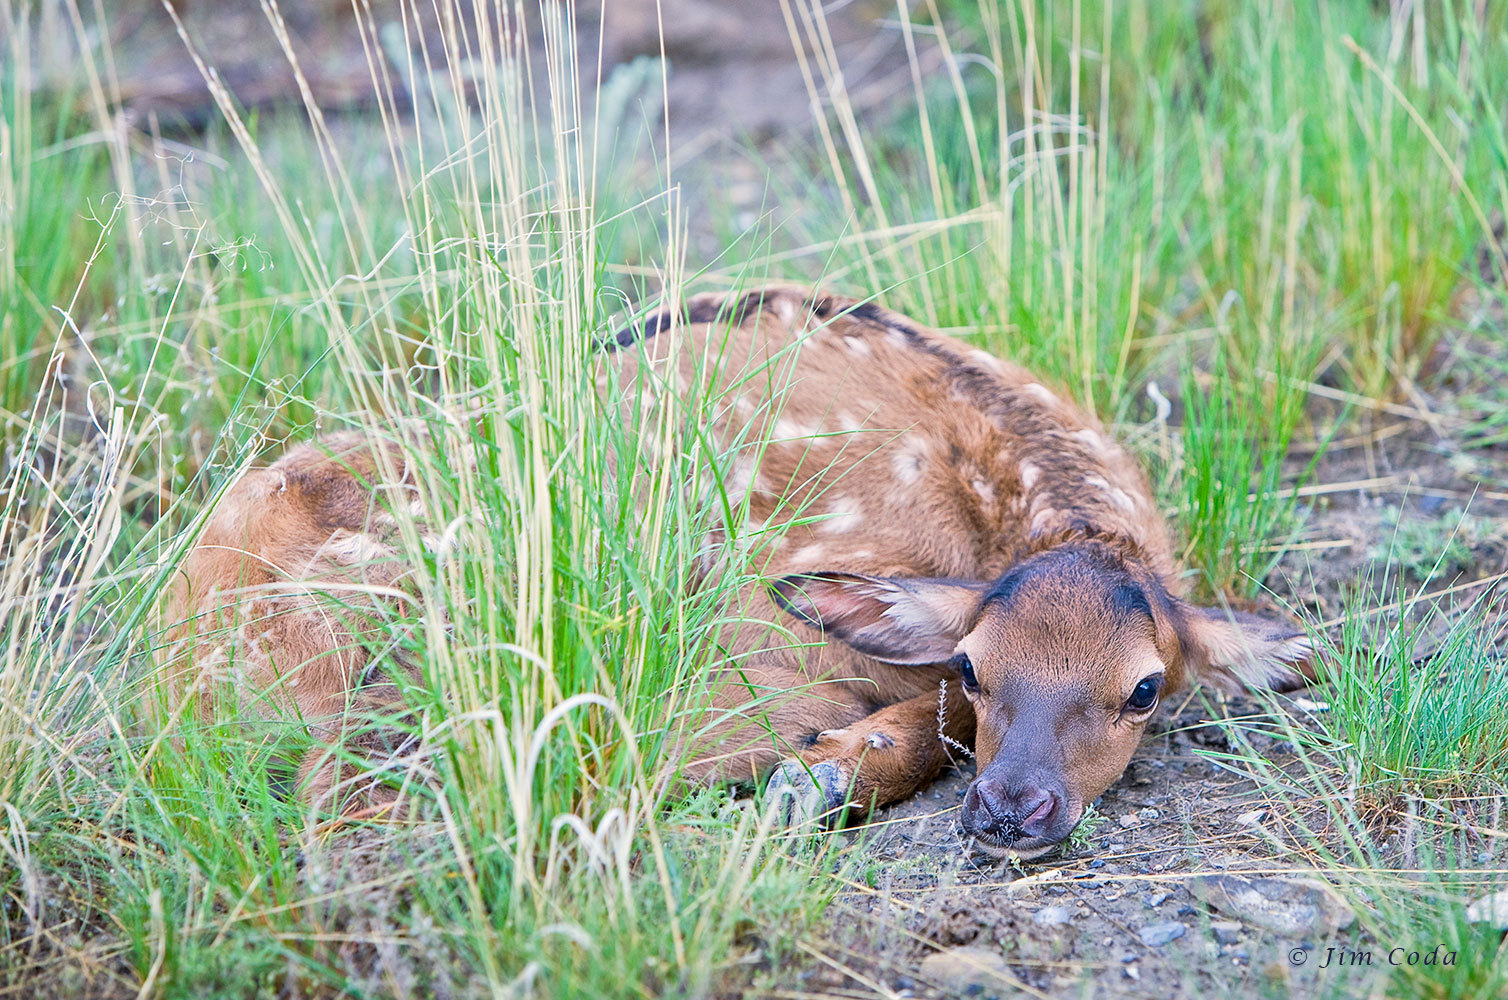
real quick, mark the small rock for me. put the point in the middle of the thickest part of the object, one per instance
(905, 983)
(1491, 909)
(1148, 815)
(1253, 818)
(1290, 907)
(1129, 957)
(1128, 820)
(1132, 973)
(1226, 931)
(1157, 935)
(1157, 898)
(967, 971)
(1052, 916)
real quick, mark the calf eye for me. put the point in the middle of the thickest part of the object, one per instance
(1145, 694)
(965, 668)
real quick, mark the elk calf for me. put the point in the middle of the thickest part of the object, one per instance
(942, 516)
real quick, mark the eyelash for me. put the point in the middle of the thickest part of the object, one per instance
(965, 668)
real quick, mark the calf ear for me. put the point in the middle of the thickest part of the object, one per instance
(895, 619)
(1234, 650)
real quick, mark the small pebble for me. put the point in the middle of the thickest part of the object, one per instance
(1252, 818)
(1148, 815)
(1157, 935)
(1132, 973)
(1226, 931)
(1128, 821)
(1052, 916)
(1157, 898)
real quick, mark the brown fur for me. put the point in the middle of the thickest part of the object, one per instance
(936, 502)
(276, 607)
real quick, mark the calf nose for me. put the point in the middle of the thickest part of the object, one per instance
(1028, 810)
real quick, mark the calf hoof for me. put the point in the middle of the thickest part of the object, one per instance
(800, 794)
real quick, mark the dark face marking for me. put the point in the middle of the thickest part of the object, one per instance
(1131, 600)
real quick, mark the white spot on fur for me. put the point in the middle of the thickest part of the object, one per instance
(857, 345)
(808, 555)
(1029, 475)
(861, 554)
(740, 478)
(987, 361)
(787, 429)
(355, 547)
(849, 423)
(1040, 392)
(1091, 439)
(907, 461)
(1114, 494)
(984, 489)
(845, 515)
(1041, 519)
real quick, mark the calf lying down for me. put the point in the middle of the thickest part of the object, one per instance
(948, 518)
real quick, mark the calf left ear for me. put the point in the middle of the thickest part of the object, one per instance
(907, 620)
(1234, 650)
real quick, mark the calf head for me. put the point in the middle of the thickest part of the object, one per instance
(1064, 658)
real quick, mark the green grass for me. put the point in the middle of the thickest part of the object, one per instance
(1226, 200)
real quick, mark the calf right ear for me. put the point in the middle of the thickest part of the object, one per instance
(908, 620)
(1234, 650)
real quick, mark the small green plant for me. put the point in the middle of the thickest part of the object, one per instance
(1091, 826)
(1429, 547)
(1237, 505)
(1408, 712)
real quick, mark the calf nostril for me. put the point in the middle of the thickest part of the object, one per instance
(971, 799)
(1037, 809)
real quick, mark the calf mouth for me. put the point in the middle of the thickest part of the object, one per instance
(1023, 849)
